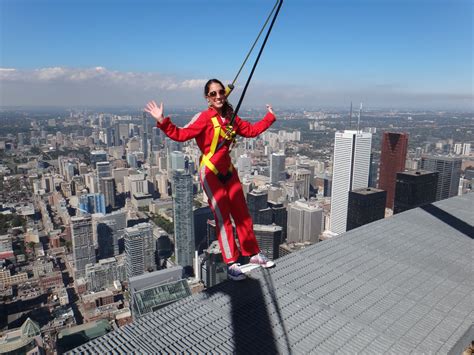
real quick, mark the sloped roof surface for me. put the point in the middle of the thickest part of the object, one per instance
(401, 285)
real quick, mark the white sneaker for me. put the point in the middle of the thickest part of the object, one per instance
(261, 260)
(235, 273)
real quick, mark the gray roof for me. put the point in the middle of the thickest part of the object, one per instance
(399, 285)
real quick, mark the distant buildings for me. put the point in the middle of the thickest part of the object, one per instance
(350, 171)
(392, 160)
(449, 169)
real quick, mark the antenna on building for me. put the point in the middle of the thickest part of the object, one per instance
(350, 118)
(358, 118)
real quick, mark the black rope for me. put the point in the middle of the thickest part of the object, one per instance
(254, 43)
(229, 129)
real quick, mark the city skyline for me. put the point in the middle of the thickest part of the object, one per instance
(394, 54)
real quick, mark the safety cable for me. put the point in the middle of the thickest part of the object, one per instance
(231, 86)
(229, 129)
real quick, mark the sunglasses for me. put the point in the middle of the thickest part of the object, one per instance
(214, 93)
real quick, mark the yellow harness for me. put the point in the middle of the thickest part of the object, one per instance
(218, 132)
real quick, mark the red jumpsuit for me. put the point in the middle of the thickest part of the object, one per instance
(226, 197)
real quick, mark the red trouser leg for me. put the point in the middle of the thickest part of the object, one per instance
(220, 203)
(241, 216)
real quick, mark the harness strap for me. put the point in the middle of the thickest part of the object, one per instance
(218, 132)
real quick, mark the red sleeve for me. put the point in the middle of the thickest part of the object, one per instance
(247, 129)
(190, 131)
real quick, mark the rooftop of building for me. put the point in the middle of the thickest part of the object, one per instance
(367, 191)
(416, 172)
(398, 285)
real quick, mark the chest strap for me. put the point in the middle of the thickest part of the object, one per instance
(218, 132)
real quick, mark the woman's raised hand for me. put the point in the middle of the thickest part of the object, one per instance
(156, 111)
(270, 109)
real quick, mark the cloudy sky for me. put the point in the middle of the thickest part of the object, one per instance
(385, 53)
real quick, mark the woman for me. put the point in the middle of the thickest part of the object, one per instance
(218, 176)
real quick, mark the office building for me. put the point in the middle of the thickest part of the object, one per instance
(82, 244)
(177, 160)
(213, 268)
(269, 238)
(415, 189)
(144, 137)
(139, 249)
(305, 222)
(466, 149)
(257, 202)
(92, 203)
(107, 188)
(365, 206)
(104, 273)
(103, 169)
(449, 169)
(277, 168)
(182, 187)
(351, 165)
(98, 156)
(392, 161)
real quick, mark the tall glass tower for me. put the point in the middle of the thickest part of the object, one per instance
(182, 187)
(351, 165)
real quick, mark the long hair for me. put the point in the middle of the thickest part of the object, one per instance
(227, 109)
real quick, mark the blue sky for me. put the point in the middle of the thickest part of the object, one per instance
(387, 53)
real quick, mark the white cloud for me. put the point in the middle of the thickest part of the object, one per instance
(101, 86)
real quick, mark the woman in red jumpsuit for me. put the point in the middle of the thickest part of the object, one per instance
(219, 178)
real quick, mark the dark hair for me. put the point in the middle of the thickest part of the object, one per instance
(227, 110)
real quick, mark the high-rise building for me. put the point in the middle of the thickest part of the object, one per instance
(92, 203)
(132, 160)
(392, 161)
(457, 148)
(177, 160)
(279, 216)
(415, 189)
(466, 149)
(269, 238)
(305, 222)
(144, 137)
(365, 205)
(351, 166)
(213, 268)
(108, 230)
(102, 274)
(303, 175)
(182, 187)
(96, 156)
(107, 188)
(244, 165)
(449, 169)
(258, 207)
(82, 244)
(277, 167)
(139, 249)
(103, 169)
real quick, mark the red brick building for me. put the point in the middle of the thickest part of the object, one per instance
(392, 161)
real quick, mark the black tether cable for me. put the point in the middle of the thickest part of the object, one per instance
(231, 86)
(228, 132)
